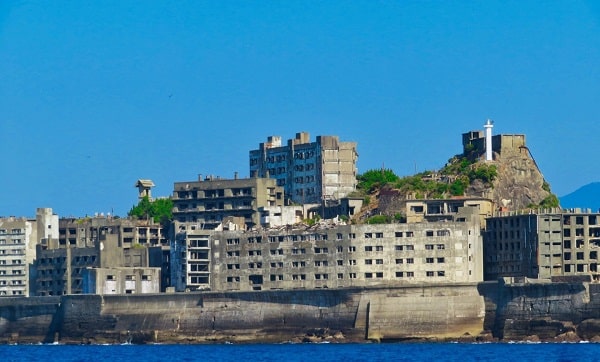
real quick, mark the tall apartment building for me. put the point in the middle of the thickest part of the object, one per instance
(97, 242)
(308, 171)
(546, 244)
(329, 257)
(18, 239)
(211, 201)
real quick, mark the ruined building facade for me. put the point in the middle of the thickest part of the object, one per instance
(328, 257)
(18, 240)
(547, 244)
(212, 201)
(308, 171)
(98, 242)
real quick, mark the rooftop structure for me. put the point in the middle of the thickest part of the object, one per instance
(144, 188)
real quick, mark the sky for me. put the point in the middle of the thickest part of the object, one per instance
(95, 95)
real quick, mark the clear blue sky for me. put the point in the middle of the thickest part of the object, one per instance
(97, 94)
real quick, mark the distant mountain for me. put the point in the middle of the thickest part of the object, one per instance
(585, 197)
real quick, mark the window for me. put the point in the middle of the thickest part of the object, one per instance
(368, 261)
(441, 273)
(410, 247)
(441, 260)
(430, 273)
(399, 247)
(399, 261)
(368, 275)
(368, 248)
(351, 249)
(410, 261)
(379, 248)
(441, 246)
(429, 260)
(379, 261)
(398, 234)
(399, 274)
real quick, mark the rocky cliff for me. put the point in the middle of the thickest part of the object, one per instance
(512, 180)
(519, 182)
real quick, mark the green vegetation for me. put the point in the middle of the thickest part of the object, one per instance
(546, 186)
(374, 179)
(452, 180)
(484, 172)
(379, 219)
(313, 221)
(160, 210)
(550, 201)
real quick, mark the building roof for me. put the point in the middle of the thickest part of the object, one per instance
(144, 183)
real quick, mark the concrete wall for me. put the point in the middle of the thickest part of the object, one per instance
(515, 311)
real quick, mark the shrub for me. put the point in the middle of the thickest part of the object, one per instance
(379, 219)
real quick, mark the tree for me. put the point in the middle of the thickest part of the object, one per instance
(160, 210)
(372, 179)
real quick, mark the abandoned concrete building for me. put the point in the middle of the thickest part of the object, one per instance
(106, 281)
(18, 239)
(308, 171)
(446, 209)
(328, 257)
(210, 201)
(548, 244)
(98, 242)
(474, 142)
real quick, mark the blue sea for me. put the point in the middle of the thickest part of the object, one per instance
(306, 352)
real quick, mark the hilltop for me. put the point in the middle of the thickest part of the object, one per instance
(587, 196)
(511, 179)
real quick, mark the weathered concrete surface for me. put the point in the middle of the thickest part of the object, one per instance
(28, 320)
(297, 315)
(425, 312)
(355, 314)
(552, 311)
(544, 311)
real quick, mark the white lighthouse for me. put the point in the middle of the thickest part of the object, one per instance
(488, 139)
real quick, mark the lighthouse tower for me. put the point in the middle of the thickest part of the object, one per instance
(488, 139)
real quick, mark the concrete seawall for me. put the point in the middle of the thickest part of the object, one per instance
(556, 311)
(275, 316)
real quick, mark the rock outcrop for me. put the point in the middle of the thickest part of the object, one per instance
(518, 184)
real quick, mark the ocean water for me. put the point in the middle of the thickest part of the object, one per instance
(307, 352)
